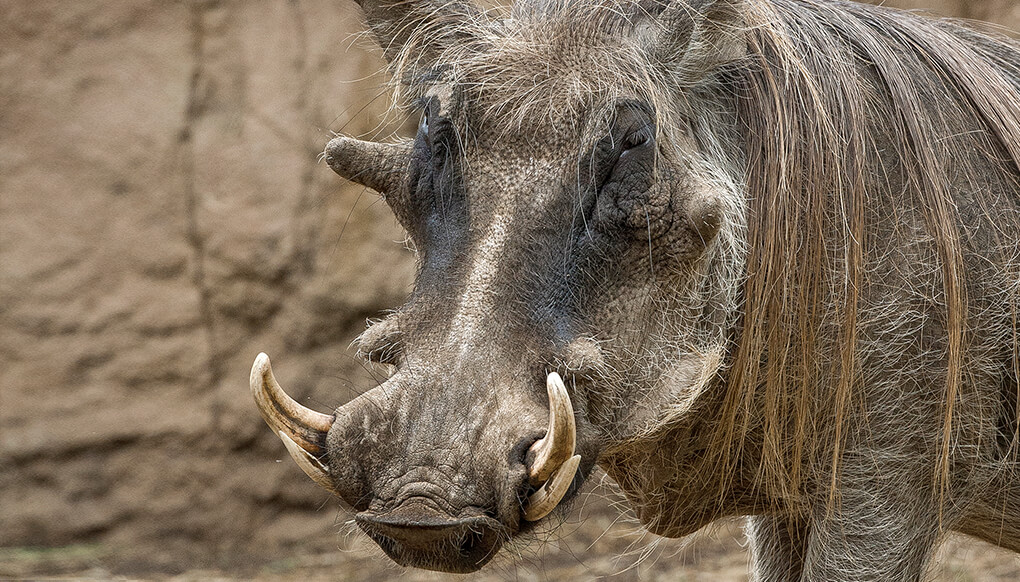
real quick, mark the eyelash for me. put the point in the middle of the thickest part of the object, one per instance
(636, 139)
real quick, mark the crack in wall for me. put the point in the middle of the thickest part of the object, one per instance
(193, 112)
(303, 223)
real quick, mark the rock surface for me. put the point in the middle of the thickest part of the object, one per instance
(164, 216)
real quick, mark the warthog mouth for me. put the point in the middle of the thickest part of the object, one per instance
(417, 535)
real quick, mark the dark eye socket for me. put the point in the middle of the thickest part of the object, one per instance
(611, 150)
(428, 107)
(435, 132)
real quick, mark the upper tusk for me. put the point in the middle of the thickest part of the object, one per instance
(541, 502)
(557, 445)
(308, 463)
(304, 427)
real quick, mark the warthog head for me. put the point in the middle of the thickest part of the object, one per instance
(577, 229)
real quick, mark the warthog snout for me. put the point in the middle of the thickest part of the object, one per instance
(430, 494)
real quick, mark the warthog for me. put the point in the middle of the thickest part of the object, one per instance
(750, 257)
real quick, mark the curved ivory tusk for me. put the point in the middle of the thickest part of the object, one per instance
(557, 445)
(541, 502)
(308, 463)
(304, 427)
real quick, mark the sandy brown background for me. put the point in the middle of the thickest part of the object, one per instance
(163, 218)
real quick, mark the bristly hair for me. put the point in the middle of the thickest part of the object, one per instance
(843, 97)
(836, 103)
(552, 61)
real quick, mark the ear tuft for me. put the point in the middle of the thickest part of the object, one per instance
(397, 23)
(700, 36)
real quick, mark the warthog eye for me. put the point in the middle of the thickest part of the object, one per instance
(423, 127)
(435, 131)
(632, 131)
(636, 139)
(623, 163)
(430, 192)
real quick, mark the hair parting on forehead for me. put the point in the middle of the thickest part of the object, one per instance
(814, 84)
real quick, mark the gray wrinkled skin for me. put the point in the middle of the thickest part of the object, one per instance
(719, 222)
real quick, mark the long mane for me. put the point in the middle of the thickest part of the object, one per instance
(842, 103)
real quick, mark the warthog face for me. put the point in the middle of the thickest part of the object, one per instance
(575, 241)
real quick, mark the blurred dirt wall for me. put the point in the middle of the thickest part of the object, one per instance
(163, 218)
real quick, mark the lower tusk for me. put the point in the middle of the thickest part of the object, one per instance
(543, 501)
(308, 463)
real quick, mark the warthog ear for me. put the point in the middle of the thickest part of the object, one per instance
(698, 35)
(379, 166)
(397, 23)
